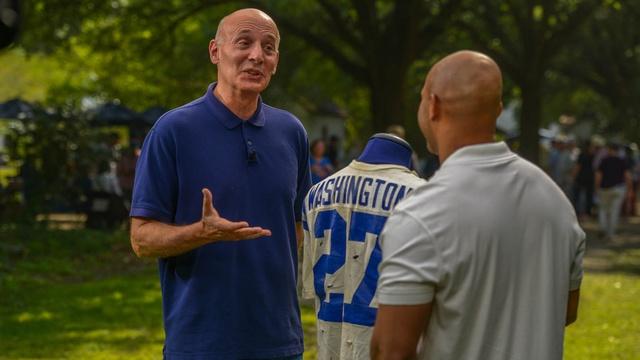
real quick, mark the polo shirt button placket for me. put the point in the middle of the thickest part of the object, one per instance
(252, 156)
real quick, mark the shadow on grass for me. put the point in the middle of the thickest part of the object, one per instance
(625, 261)
(122, 314)
(621, 254)
(76, 294)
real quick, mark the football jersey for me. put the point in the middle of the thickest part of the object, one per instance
(342, 217)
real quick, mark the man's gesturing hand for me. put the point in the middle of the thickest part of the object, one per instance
(217, 228)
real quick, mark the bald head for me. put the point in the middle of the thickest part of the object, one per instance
(237, 17)
(468, 85)
(460, 102)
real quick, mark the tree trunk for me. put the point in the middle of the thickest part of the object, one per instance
(387, 107)
(530, 122)
(388, 96)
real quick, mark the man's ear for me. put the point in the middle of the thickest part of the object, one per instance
(277, 61)
(434, 107)
(214, 52)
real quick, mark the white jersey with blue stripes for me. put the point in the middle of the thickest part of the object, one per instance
(342, 218)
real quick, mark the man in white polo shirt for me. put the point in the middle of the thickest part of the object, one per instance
(485, 260)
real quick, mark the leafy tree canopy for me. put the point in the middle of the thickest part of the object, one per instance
(368, 57)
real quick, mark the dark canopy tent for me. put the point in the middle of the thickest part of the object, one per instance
(152, 114)
(17, 109)
(113, 114)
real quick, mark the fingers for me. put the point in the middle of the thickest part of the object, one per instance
(226, 225)
(240, 230)
(207, 204)
(220, 229)
(250, 233)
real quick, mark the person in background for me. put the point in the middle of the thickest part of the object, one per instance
(561, 164)
(612, 182)
(125, 170)
(635, 176)
(105, 202)
(321, 166)
(583, 180)
(600, 151)
(629, 203)
(106, 180)
(333, 151)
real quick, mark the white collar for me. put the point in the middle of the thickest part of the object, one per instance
(488, 152)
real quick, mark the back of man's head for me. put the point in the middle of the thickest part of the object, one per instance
(461, 101)
(468, 85)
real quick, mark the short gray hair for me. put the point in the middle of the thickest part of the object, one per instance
(219, 38)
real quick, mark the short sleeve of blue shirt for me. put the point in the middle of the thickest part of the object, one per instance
(156, 180)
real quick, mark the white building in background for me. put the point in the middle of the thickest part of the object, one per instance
(507, 121)
(326, 121)
(566, 126)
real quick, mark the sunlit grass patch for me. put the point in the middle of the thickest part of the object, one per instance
(608, 325)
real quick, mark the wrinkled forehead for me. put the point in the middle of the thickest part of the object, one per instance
(255, 23)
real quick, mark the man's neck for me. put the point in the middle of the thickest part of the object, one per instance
(242, 104)
(448, 147)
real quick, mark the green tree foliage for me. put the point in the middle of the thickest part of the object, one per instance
(145, 53)
(155, 52)
(375, 43)
(569, 97)
(608, 61)
(525, 37)
(369, 57)
(28, 76)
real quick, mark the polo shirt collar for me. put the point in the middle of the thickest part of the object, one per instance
(488, 152)
(230, 120)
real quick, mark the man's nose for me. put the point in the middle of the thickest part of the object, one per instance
(256, 53)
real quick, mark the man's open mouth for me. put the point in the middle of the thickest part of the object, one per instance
(253, 72)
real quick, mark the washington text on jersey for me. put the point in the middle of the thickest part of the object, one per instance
(357, 190)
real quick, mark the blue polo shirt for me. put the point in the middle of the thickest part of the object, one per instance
(228, 300)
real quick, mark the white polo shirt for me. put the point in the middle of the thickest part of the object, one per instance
(495, 245)
(342, 217)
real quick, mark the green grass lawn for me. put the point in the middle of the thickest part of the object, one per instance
(608, 325)
(82, 295)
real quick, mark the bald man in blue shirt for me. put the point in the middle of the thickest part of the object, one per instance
(223, 168)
